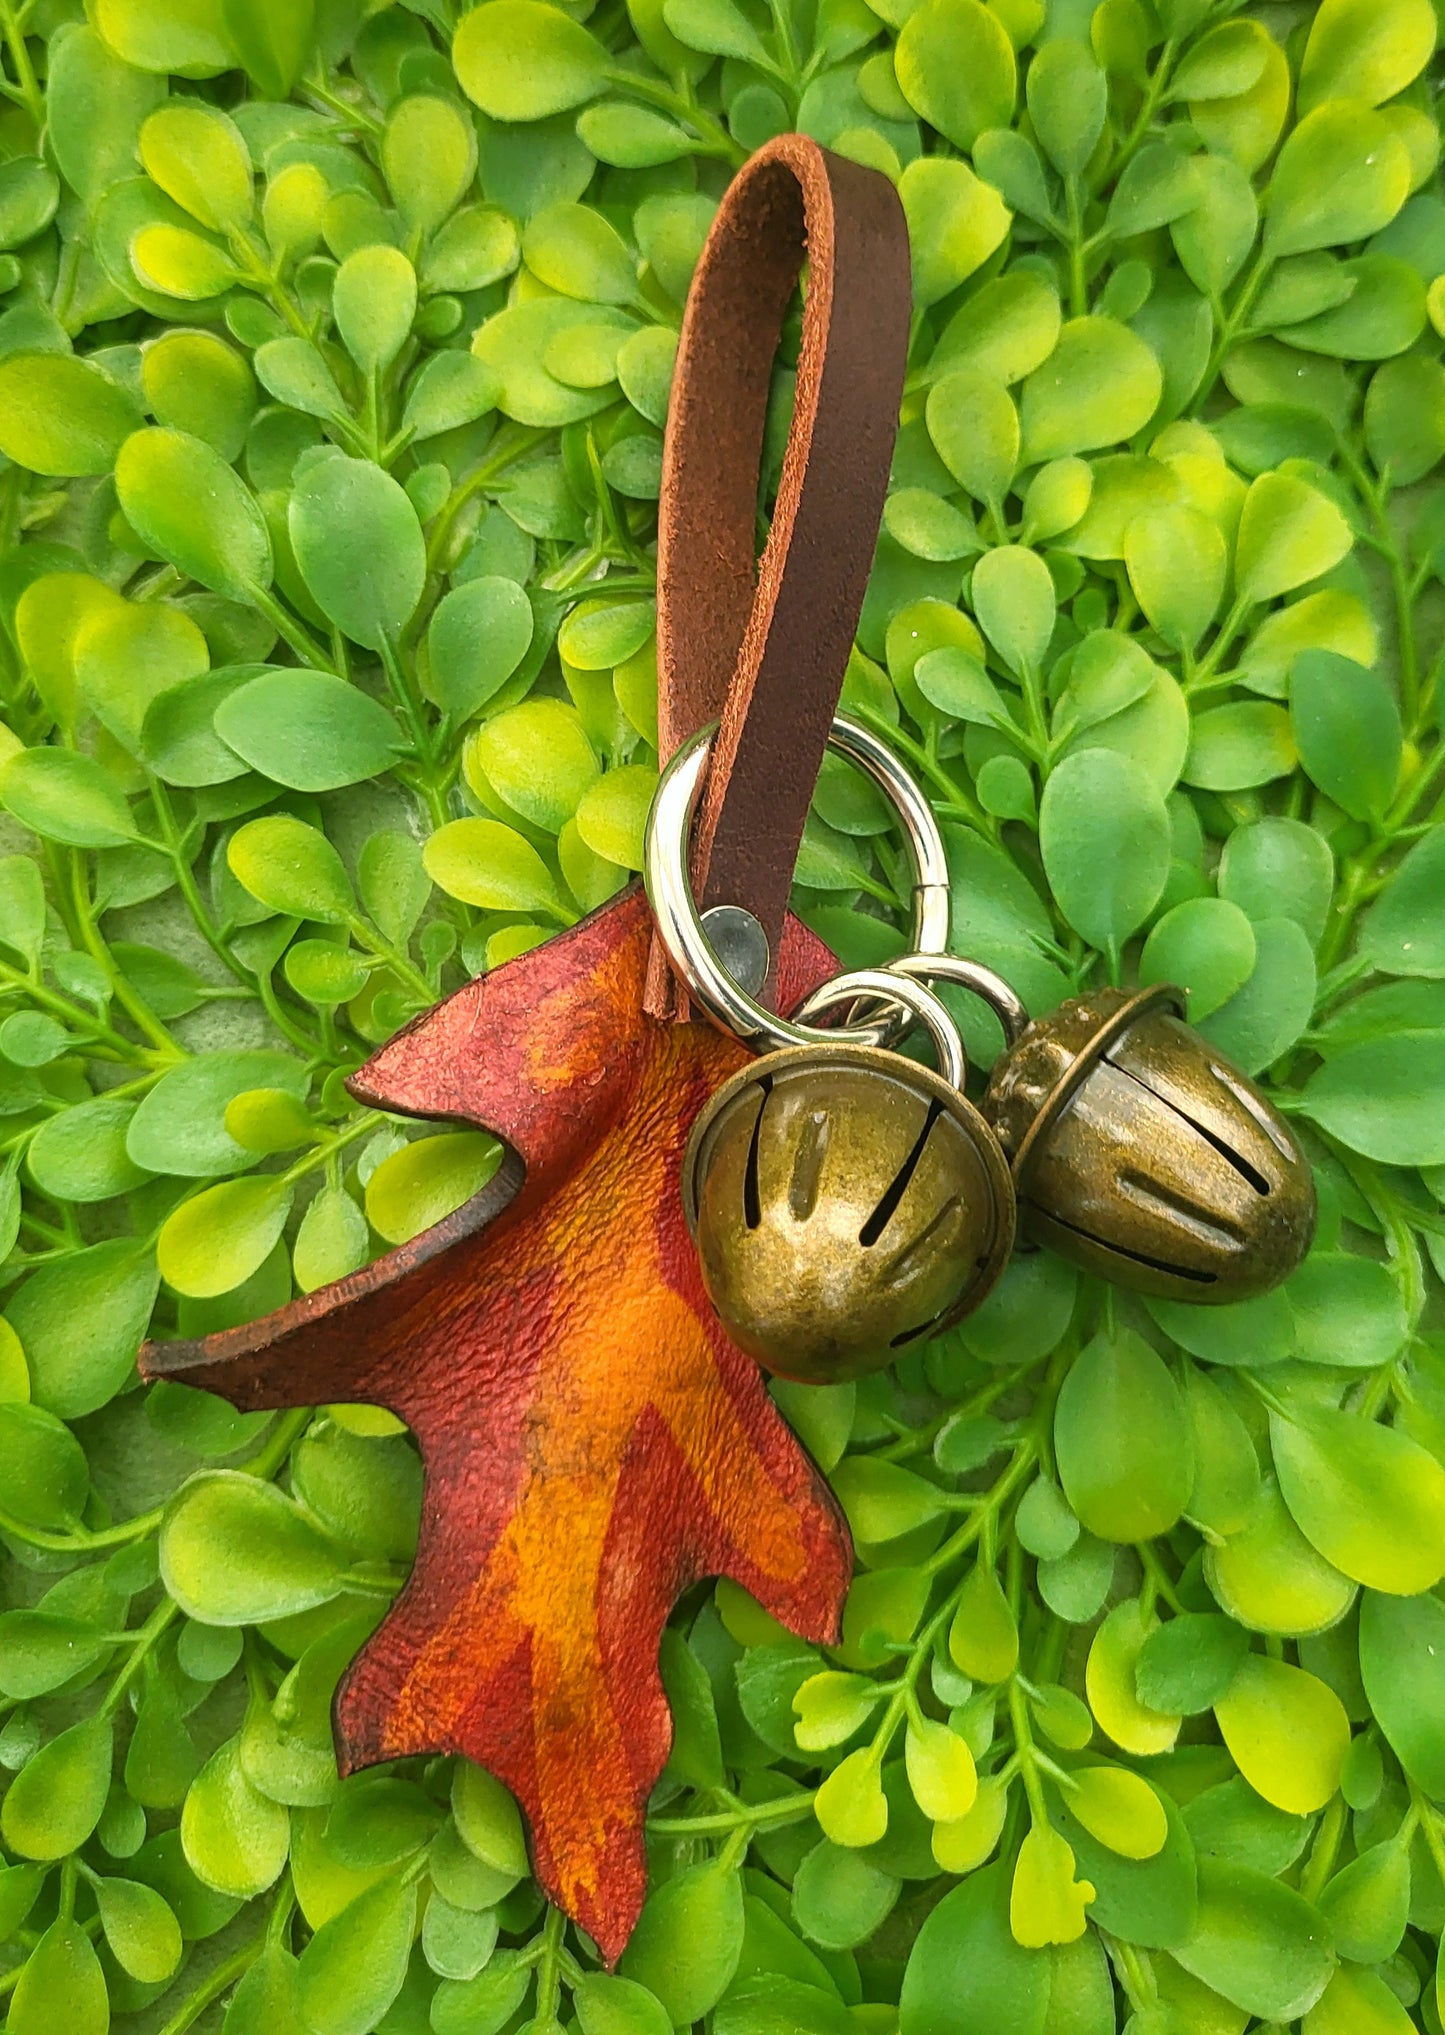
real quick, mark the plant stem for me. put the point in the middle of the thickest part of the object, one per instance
(31, 96)
(213, 1985)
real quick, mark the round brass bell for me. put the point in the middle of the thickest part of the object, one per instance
(844, 1201)
(1141, 1154)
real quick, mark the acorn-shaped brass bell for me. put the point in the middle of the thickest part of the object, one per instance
(844, 1201)
(1141, 1154)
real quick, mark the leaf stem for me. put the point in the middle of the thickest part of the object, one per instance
(31, 96)
(213, 1985)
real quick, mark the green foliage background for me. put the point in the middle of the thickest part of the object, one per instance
(334, 352)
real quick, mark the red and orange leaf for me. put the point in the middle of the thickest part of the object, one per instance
(593, 1442)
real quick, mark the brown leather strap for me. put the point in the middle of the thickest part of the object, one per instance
(764, 645)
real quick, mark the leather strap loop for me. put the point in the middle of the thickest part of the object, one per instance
(764, 644)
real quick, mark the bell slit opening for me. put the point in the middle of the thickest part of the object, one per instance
(1226, 1151)
(752, 1194)
(1121, 1251)
(897, 1187)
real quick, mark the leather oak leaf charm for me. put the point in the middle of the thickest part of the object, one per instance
(592, 1441)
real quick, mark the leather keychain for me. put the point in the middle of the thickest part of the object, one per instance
(593, 1442)
(763, 645)
(594, 1439)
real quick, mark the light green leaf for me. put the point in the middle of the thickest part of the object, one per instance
(194, 510)
(1365, 49)
(424, 1182)
(308, 729)
(291, 868)
(1105, 840)
(956, 68)
(235, 1551)
(1347, 726)
(197, 156)
(66, 797)
(373, 301)
(60, 415)
(214, 1242)
(1101, 384)
(1368, 1497)
(486, 863)
(359, 546)
(55, 1800)
(1342, 174)
(955, 222)
(527, 61)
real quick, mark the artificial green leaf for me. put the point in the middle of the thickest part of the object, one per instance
(1177, 562)
(373, 302)
(1013, 598)
(530, 61)
(1367, 53)
(478, 635)
(60, 415)
(1257, 1942)
(955, 221)
(537, 758)
(187, 503)
(1368, 1497)
(1404, 933)
(61, 1985)
(81, 1321)
(307, 729)
(291, 867)
(839, 1899)
(43, 1472)
(197, 156)
(424, 1182)
(217, 1240)
(1188, 1663)
(359, 547)
(1105, 839)
(1288, 1733)
(1289, 533)
(1267, 1576)
(1341, 175)
(1234, 748)
(1101, 384)
(129, 657)
(975, 428)
(966, 1952)
(66, 797)
(956, 68)
(1111, 1685)
(234, 1551)
(1348, 731)
(1279, 868)
(688, 1939)
(55, 1800)
(140, 1928)
(486, 863)
(1376, 1097)
(983, 1637)
(1403, 1665)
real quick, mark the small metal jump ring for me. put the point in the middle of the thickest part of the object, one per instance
(680, 926)
(1005, 1003)
(918, 1000)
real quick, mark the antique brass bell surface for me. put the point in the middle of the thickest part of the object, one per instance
(1141, 1154)
(844, 1201)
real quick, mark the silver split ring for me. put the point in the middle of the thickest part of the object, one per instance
(920, 1002)
(685, 936)
(1002, 999)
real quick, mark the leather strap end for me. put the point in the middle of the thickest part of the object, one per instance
(763, 645)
